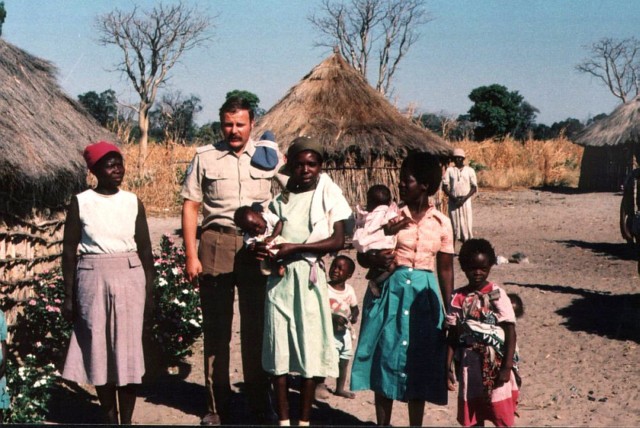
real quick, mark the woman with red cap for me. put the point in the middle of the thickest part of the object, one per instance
(107, 264)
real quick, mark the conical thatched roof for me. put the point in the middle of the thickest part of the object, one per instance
(42, 135)
(622, 126)
(335, 103)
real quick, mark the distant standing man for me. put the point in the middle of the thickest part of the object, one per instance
(221, 178)
(459, 184)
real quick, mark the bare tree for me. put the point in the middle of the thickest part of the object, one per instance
(617, 64)
(358, 27)
(152, 42)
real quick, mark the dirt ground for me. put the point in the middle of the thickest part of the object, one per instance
(578, 339)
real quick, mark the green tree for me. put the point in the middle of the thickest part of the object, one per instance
(174, 117)
(249, 96)
(103, 107)
(500, 112)
(3, 15)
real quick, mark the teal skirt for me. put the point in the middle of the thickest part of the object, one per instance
(401, 351)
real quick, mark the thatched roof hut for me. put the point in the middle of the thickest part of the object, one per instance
(609, 147)
(42, 135)
(364, 136)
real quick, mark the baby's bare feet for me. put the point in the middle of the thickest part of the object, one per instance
(345, 394)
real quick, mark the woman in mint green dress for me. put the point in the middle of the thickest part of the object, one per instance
(4, 395)
(298, 334)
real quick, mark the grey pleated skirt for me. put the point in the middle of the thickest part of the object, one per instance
(106, 344)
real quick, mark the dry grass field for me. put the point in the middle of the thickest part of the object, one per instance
(501, 165)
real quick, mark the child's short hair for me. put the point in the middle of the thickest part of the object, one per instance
(476, 246)
(348, 260)
(241, 213)
(518, 306)
(380, 194)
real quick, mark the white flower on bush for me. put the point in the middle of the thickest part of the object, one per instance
(179, 303)
(175, 271)
(38, 384)
(194, 323)
(162, 282)
(185, 291)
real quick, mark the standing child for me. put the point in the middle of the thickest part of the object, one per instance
(4, 395)
(482, 334)
(374, 231)
(260, 226)
(344, 312)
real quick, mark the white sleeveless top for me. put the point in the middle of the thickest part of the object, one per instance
(108, 222)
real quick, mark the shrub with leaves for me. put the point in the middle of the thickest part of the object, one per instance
(178, 317)
(40, 330)
(29, 385)
(41, 335)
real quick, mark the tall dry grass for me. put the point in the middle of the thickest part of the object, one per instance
(500, 165)
(511, 164)
(159, 187)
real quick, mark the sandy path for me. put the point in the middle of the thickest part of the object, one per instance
(578, 338)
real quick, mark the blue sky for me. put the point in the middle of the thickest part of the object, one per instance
(267, 46)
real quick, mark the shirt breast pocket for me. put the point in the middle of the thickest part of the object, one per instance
(261, 182)
(213, 184)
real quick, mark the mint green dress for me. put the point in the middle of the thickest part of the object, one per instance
(5, 399)
(298, 334)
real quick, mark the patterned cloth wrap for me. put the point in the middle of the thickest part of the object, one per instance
(481, 332)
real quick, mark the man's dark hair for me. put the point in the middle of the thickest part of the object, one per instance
(350, 262)
(235, 103)
(473, 247)
(380, 194)
(425, 168)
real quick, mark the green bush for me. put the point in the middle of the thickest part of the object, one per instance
(29, 385)
(178, 317)
(41, 335)
(40, 330)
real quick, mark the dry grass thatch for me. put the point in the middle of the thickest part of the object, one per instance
(364, 136)
(622, 126)
(335, 103)
(42, 135)
(609, 147)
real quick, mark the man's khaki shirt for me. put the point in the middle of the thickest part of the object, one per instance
(223, 182)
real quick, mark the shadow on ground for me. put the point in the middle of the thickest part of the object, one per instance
(70, 404)
(620, 250)
(616, 316)
(173, 391)
(566, 190)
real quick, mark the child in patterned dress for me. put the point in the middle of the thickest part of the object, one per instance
(482, 335)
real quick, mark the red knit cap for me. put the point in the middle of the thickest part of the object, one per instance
(94, 152)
